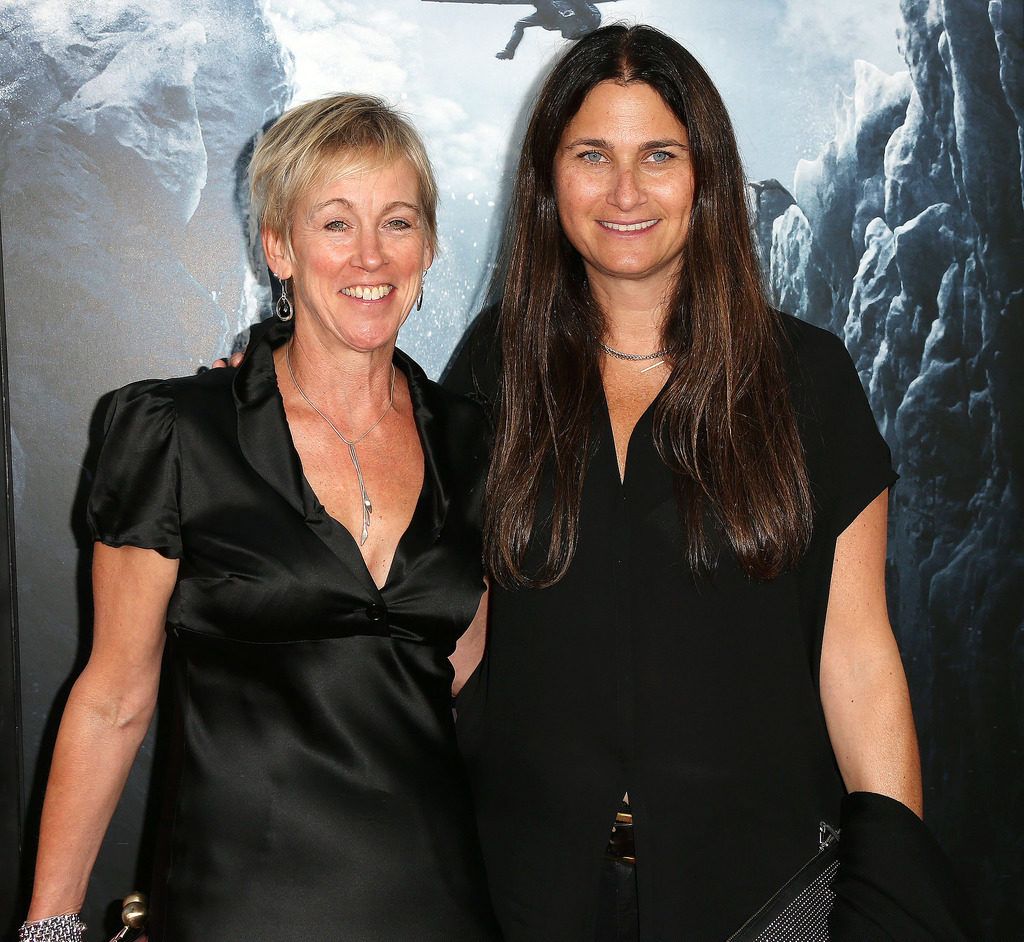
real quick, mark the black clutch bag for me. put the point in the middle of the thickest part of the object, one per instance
(799, 911)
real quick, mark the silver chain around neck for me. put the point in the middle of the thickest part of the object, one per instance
(367, 504)
(658, 357)
(634, 357)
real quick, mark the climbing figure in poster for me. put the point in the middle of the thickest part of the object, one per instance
(572, 18)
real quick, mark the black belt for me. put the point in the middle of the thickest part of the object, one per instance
(620, 841)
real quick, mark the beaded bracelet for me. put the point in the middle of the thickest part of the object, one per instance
(68, 927)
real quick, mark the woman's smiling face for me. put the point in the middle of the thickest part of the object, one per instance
(624, 184)
(358, 250)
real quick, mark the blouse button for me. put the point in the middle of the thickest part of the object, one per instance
(375, 612)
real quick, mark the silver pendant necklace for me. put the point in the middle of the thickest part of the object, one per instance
(635, 357)
(350, 442)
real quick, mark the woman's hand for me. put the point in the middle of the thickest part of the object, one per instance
(863, 687)
(234, 360)
(106, 717)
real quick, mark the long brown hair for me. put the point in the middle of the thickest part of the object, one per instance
(724, 422)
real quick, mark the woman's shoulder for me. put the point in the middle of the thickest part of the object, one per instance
(475, 365)
(154, 410)
(809, 344)
(848, 460)
(455, 427)
(178, 393)
(445, 402)
(819, 366)
(136, 490)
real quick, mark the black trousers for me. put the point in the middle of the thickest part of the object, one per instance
(618, 919)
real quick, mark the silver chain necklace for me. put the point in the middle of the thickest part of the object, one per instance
(350, 442)
(635, 357)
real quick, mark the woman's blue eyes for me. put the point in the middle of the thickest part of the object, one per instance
(655, 157)
(339, 225)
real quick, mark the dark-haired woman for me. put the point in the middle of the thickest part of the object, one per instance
(686, 534)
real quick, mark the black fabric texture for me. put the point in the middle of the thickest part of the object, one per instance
(697, 696)
(617, 918)
(895, 882)
(320, 793)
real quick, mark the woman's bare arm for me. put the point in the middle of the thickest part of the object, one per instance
(863, 686)
(105, 719)
(470, 647)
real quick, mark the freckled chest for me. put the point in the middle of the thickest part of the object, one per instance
(391, 460)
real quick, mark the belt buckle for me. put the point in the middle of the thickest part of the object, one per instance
(620, 842)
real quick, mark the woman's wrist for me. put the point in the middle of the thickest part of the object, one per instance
(66, 927)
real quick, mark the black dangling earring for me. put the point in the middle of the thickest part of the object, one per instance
(284, 310)
(419, 300)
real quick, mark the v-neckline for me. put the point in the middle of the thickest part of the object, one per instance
(264, 437)
(418, 510)
(610, 429)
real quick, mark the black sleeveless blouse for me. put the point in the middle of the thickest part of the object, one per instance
(698, 698)
(320, 794)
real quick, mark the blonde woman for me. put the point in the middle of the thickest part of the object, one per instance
(308, 529)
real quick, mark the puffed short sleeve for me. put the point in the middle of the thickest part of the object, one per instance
(855, 464)
(135, 493)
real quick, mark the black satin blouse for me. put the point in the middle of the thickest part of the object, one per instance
(320, 794)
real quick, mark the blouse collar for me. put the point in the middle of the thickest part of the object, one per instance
(266, 442)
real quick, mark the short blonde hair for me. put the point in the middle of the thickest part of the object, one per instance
(326, 138)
